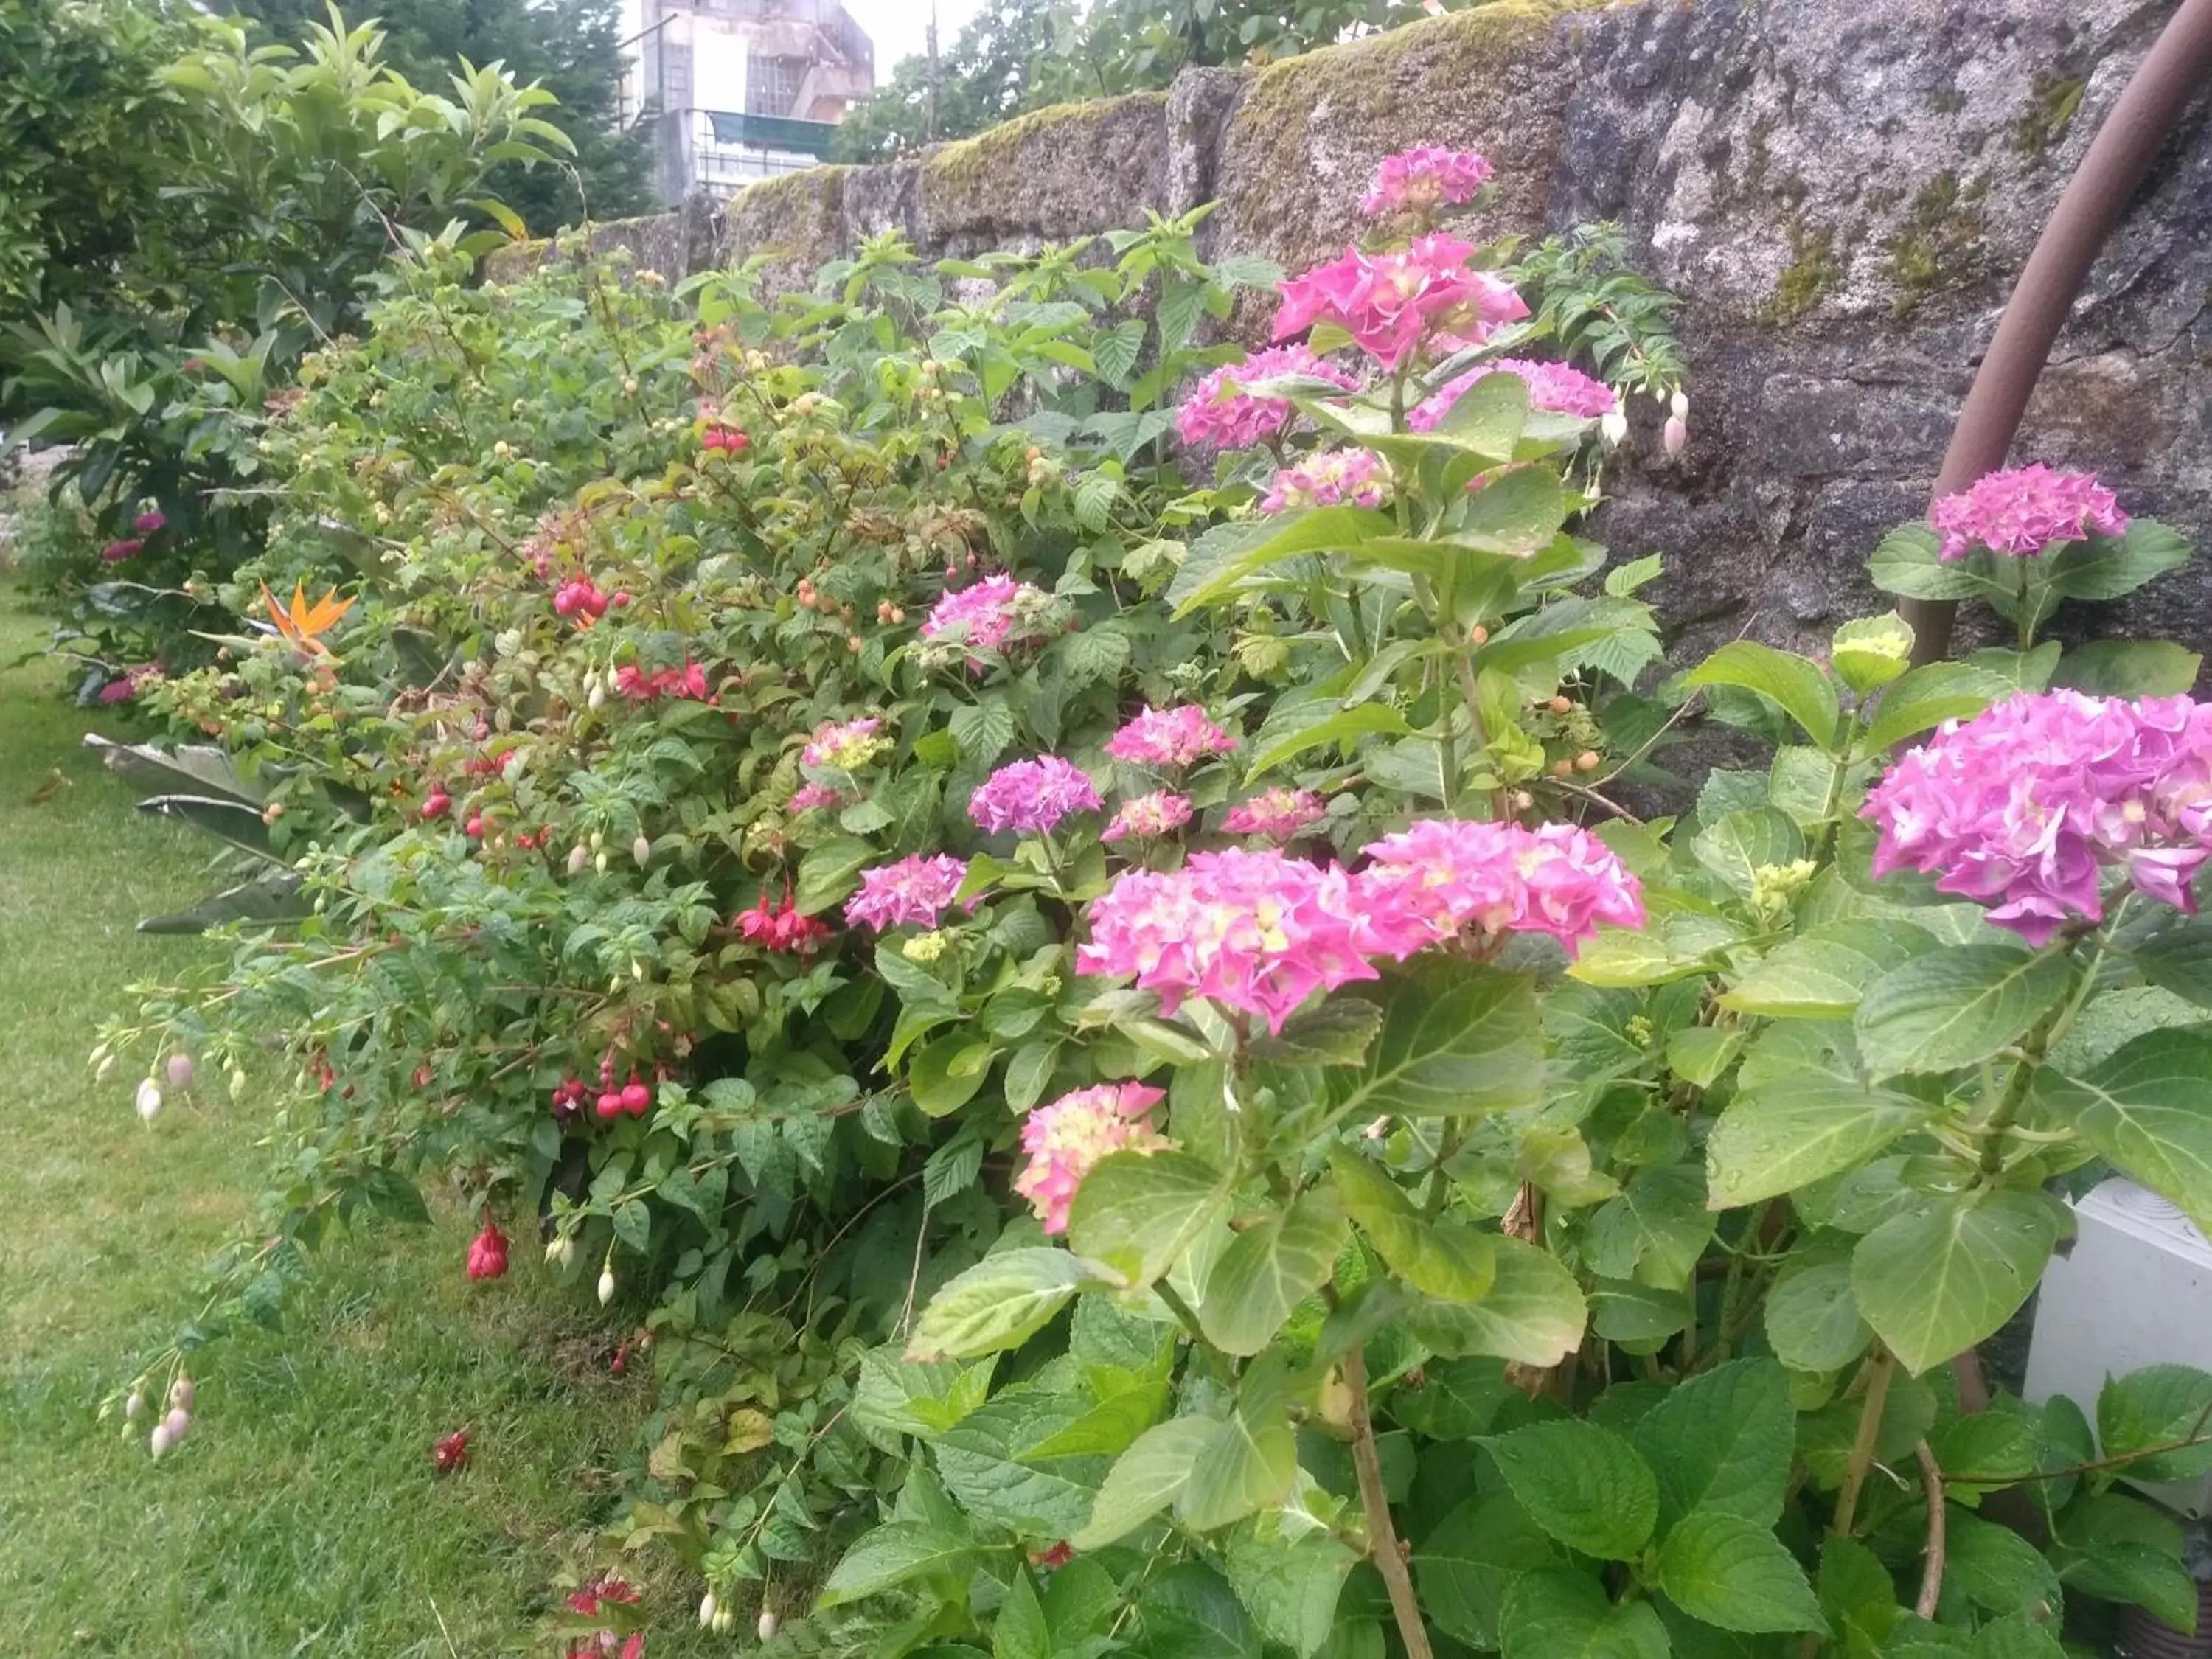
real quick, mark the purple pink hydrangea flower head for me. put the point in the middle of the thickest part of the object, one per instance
(1147, 817)
(1424, 177)
(1256, 931)
(2023, 511)
(844, 746)
(1434, 879)
(1390, 302)
(810, 796)
(1168, 737)
(915, 891)
(1031, 796)
(996, 614)
(1555, 387)
(2028, 807)
(1221, 414)
(1279, 813)
(1328, 477)
(1066, 1139)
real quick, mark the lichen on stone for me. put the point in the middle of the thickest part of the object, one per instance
(2053, 100)
(1811, 272)
(1943, 242)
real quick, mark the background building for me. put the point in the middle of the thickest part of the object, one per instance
(736, 90)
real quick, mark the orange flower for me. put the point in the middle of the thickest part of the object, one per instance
(303, 625)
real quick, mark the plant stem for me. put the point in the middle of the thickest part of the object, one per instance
(1383, 1537)
(1183, 1311)
(1879, 1371)
(1931, 1574)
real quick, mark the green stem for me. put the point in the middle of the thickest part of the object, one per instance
(1183, 1311)
(1447, 1143)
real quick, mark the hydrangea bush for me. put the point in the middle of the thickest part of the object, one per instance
(1111, 1017)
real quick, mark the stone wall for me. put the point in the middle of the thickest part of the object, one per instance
(1843, 189)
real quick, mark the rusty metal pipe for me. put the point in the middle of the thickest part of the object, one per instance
(2178, 66)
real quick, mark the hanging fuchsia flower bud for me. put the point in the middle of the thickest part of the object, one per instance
(117, 551)
(181, 1071)
(161, 1441)
(149, 1100)
(1674, 436)
(182, 1394)
(488, 1252)
(135, 1407)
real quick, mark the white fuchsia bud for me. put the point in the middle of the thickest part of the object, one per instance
(236, 1081)
(596, 698)
(707, 1610)
(1679, 404)
(725, 1621)
(181, 1394)
(1675, 434)
(1612, 426)
(177, 1422)
(562, 1251)
(161, 1441)
(181, 1071)
(135, 1407)
(149, 1100)
(606, 1285)
(642, 849)
(578, 856)
(767, 1626)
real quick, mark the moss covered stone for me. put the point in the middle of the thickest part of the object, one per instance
(1052, 174)
(797, 220)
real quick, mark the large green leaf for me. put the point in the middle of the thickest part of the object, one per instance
(1289, 1586)
(1145, 1479)
(993, 1461)
(1247, 1463)
(828, 873)
(1268, 1269)
(893, 1554)
(1735, 1573)
(1720, 1443)
(1444, 1259)
(999, 1303)
(2148, 1108)
(2178, 958)
(1823, 972)
(1939, 1277)
(1582, 1484)
(1955, 1007)
(1905, 563)
(1654, 1231)
(1471, 1558)
(1799, 686)
(1136, 1213)
(1996, 1568)
(1533, 1312)
(2158, 1407)
(1786, 1136)
(2107, 567)
(186, 768)
(2128, 668)
(1739, 845)
(1331, 724)
(1566, 1615)
(1812, 1314)
(1927, 697)
(1458, 1038)
(1321, 529)
(1189, 1612)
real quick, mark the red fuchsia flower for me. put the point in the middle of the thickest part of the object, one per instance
(1426, 885)
(915, 889)
(1058, 1556)
(117, 551)
(568, 1097)
(2023, 511)
(607, 1589)
(1328, 477)
(1220, 414)
(1555, 387)
(1278, 813)
(689, 681)
(1067, 1137)
(1168, 737)
(1148, 817)
(727, 437)
(1255, 932)
(844, 747)
(580, 596)
(808, 796)
(1388, 302)
(1031, 796)
(2024, 808)
(1423, 179)
(452, 1453)
(783, 929)
(995, 614)
(488, 1252)
(148, 522)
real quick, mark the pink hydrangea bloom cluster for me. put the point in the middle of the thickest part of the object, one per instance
(1065, 1137)
(995, 614)
(2025, 807)
(1557, 387)
(1424, 179)
(1390, 303)
(1426, 884)
(1168, 737)
(844, 746)
(915, 889)
(809, 796)
(1328, 477)
(1256, 931)
(2023, 511)
(1031, 796)
(1278, 813)
(1148, 817)
(1220, 414)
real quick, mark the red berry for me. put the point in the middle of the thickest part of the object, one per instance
(475, 826)
(610, 1105)
(636, 1099)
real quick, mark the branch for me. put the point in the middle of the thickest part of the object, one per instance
(2196, 1437)
(1383, 1537)
(1862, 1448)
(1931, 1574)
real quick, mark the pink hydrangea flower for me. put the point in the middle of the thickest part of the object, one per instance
(1259, 932)
(809, 796)
(997, 614)
(2024, 511)
(1148, 816)
(1031, 796)
(1424, 177)
(2025, 807)
(843, 747)
(1426, 884)
(1065, 1137)
(1168, 737)
(1328, 477)
(1220, 414)
(1388, 302)
(1556, 387)
(1278, 813)
(915, 889)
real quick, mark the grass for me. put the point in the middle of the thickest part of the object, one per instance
(302, 1515)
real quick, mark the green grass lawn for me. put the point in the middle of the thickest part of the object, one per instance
(302, 1515)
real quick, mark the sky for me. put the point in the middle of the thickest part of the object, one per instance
(896, 25)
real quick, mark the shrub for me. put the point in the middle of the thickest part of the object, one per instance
(1120, 1038)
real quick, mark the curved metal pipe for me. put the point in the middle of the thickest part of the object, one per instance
(2176, 67)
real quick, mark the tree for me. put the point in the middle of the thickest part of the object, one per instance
(570, 46)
